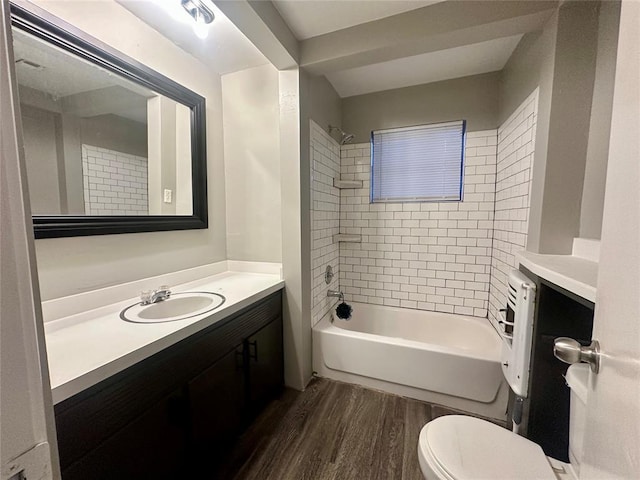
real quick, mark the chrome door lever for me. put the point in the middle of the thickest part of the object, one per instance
(569, 350)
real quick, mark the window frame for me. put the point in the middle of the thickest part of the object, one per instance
(414, 199)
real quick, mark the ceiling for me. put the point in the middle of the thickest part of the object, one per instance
(370, 46)
(48, 69)
(474, 59)
(308, 19)
(361, 46)
(225, 49)
(62, 78)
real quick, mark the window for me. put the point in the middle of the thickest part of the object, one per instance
(418, 164)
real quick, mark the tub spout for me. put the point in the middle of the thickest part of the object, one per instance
(336, 293)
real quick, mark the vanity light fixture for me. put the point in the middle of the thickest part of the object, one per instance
(198, 11)
(202, 15)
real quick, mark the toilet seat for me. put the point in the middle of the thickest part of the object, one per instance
(458, 447)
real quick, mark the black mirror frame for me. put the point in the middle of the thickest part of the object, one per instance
(63, 35)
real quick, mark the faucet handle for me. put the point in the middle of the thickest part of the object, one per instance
(145, 297)
(165, 288)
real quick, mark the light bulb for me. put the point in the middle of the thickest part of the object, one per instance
(201, 14)
(201, 30)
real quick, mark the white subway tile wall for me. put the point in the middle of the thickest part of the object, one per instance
(325, 219)
(115, 183)
(430, 256)
(516, 141)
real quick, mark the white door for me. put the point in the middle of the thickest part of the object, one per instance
(27, 430)
(612, 444)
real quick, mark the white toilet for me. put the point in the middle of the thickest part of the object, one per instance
(458, 447)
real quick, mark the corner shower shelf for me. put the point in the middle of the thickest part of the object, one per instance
(347, 183)
(343, 237)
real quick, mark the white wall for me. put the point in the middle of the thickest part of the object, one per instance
(296, 228)
(325, 219)
(573, 80)
(430, 256)
(41, 160)
(251, 116)
(612, 432)
(473, 98)
(574, 74)
(516, 151)
(71, 265)
(531, 66)
(595, 172)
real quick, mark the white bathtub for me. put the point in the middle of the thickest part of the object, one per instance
(441, 358)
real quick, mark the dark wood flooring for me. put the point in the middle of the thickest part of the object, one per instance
(332, 430)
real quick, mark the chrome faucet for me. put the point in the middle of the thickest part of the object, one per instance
(155, 296)
(336, 293)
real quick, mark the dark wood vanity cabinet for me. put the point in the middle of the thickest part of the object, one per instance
(219, 389)
(265, 361)
(178, 411)
(153, 445)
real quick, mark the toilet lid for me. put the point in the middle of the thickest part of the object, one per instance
(469, 448)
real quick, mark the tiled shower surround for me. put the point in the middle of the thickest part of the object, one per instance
(325, 218)
(516, 140)
(115, 183)
(438, 256)
(429, 255)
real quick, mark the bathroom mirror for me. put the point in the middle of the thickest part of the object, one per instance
(110, 145)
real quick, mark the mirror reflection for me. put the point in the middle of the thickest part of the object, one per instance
(96, 143)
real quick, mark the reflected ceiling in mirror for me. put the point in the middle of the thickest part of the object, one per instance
(110, 146)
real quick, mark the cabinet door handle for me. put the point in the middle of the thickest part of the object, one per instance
(253, 355)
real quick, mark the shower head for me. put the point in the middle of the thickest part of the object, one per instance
(344, 137)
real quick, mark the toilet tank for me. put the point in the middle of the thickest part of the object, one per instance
(577, 377)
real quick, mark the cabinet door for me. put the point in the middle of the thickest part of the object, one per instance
(153, 446)
(266, 367)
(558, 315)
(216, 400)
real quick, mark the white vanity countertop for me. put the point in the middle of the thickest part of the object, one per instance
(90, 346)
(575, 274)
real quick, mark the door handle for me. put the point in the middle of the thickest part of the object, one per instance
(569, 350)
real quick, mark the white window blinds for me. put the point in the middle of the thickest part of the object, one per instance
(417, 164)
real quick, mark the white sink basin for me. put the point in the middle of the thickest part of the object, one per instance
(179, 306)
